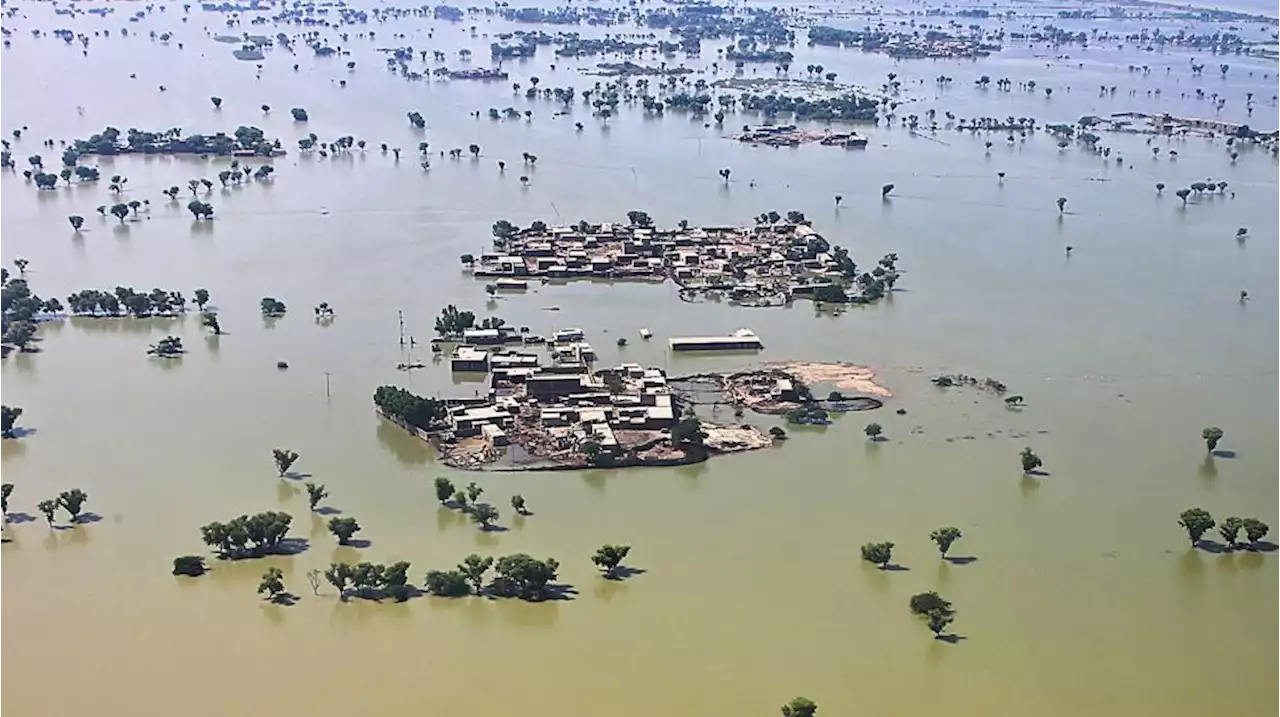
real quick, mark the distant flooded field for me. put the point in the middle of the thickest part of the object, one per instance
(1076, 591)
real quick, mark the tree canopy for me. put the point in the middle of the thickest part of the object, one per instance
(401, 405)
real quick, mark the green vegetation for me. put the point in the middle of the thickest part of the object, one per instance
(1211, 436)
(73, 502)
(800, 707)
(1197, 522)
(808, 415)
(47, 508)
(1030, 461)
(1230, 529)
(273, 585)
(517, 504)
(284, 459)
(1255, 530)
(873, 431)
(168, 347)
(483, 514)
(447, 583)
(248, 536)
(473, 569)
(370, 581)
(272, 307)
(189, 565)
(315, 494)
(609, 557)
(452, 322)
(9, 416)
(444, 490)
(944, 537)
(878, 553)
(935, 608)
(474, 491)
(343, 529)
(688, 432)
(5, 491)
(521, 576)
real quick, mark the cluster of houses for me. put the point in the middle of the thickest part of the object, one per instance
(558, 408)
(773, 260)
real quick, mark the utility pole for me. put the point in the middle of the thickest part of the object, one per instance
(327, 374)
(400, 315)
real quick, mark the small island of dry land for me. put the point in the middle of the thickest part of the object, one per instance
(569, 417)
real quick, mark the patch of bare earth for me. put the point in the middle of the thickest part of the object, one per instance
(728, 439)
(843, 375)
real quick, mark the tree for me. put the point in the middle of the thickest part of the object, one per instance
(444, 490)
(939, 620)
(1159, 187)
(1197, 522)
(484, 514)
(517, 504)
(1211, 436)
(944, 537)
(120, 211)
(47, 507)
(8, 418)
(927, 602)
(504, 229)
(472, 568)
(315, 577)
(20, 334)
(1062, 203)
(299, 114)
(609, 557)
(189, 565)
(1230, 530)
(724, 174)
(77, 221)
(1255, 530)
(800, 707)
(73, 501)
(210, 321)
(202, 298)
(5, 491)
(447, 583)
(873, 431)
(522, 576)
(217, 102)
(1183, 194)
(273, 584)
(688, 431)
(343, 528)
(878, 553)
(1030, 461)
(284, 458)
(884, 191)
(315, 494)
(272, 307)
(338, 575)
(639, 219)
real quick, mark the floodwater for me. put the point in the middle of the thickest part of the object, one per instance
(1083, 599)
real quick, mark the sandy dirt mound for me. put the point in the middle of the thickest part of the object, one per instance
(728, 439)
(843, 375)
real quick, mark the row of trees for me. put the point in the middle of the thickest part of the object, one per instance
(401, 405)
(248, 536)
(515, 576)
(71, 501)
(157, 302)
(370, 581)
(1198, 521)
(882, 553)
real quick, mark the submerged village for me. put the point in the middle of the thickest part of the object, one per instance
(555, 410)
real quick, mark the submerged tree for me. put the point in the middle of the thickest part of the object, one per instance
(1030, 461)
(473, 568)
(47, 508)
(1197, 522)
(284, 458)
(8, 419)
(1211, 436)
(5, 491)
(483, 514)
(1255, 530)
(444, 490)
(944, 537)
(73, 501)
(609, 557)
(315, 494)
(343, 529)
(873, 431)
(1230, 529)
(517, 504)
(189, 565)
(878, 553)
(273, 585)
(800, 707)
